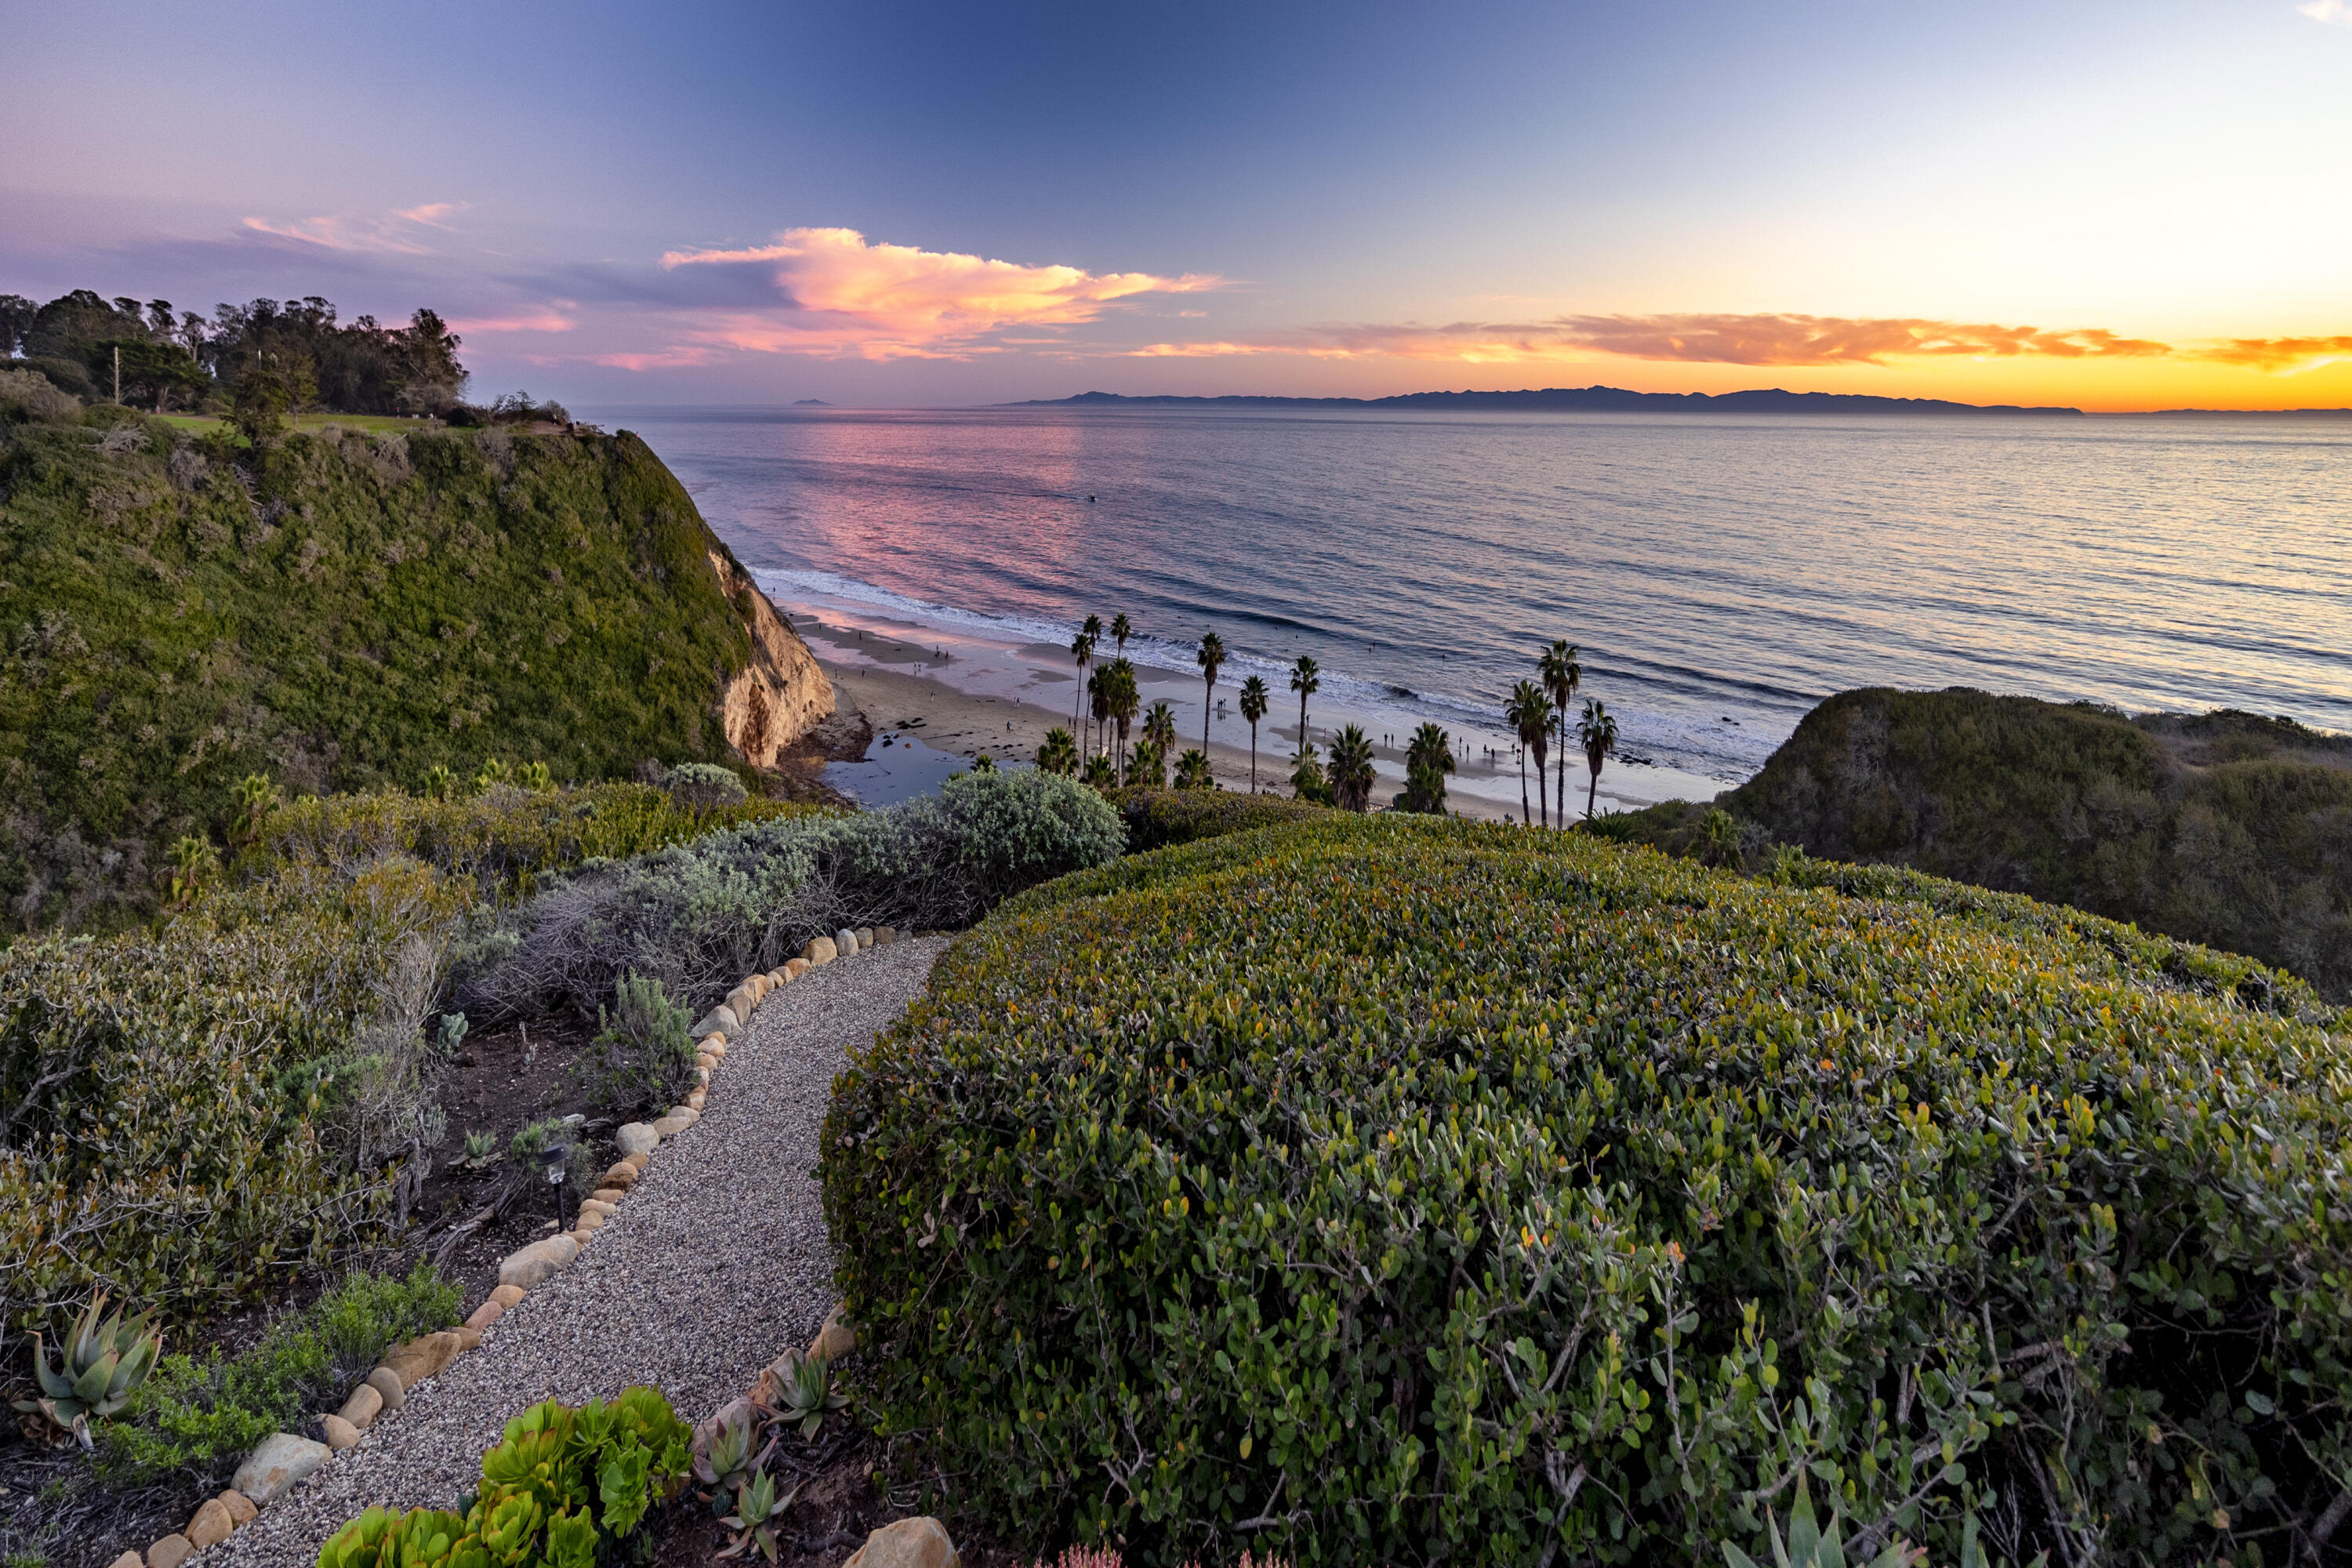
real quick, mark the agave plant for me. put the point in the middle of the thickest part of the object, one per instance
(101, 1364)
(809, 1395)
(724, 1458)
(757, 1506)
(1809, 1546)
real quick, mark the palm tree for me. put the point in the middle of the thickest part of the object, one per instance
(1099, 775)
(1149, 766)
(1082, 649)
(1098, 687)
(1211, 658)
(1598, 730)
(1121, 629)
(1192, 771)
(1560, 672)
(1123, 696)
(1351, 768)
(1159, 727)
(1092, 630)
(1528, 713)
(1306, 780)
(1427, 759)
(1254, 696)
(1305, 680)
(1059, 754)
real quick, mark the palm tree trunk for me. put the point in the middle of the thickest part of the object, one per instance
(1302, 723)
(1253, 756)
(1562, 794)
(1526, 817)
(1593, 787)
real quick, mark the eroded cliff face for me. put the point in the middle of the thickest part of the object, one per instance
(781, 693)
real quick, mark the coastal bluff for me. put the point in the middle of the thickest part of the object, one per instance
(342, 610)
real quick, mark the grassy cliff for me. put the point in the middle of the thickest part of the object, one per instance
(2227, 829)
(341, 610)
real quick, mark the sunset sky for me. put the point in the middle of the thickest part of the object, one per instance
(2112, 206)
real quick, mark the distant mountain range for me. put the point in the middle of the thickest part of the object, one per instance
(1603, 399)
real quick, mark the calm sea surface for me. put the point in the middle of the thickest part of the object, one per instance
(1721, 575)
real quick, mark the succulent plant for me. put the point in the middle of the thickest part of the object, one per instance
(1809, 1546)
(100, 1366)
(757, 1507)
(481, 1150)
(809, 1394)
(724, 1458)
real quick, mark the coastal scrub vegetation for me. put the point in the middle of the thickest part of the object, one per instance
(696, 917)
(2225, 828)
(343, 612)
(190, 1114)
(1393, 1189)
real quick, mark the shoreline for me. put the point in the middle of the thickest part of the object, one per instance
(964, 694)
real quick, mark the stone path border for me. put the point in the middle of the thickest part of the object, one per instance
(284, 1460)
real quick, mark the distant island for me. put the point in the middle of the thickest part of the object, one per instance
(810, 403)
(1583, 399)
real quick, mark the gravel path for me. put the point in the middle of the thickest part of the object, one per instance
(714, 1264)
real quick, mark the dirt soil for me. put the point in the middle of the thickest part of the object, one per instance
(842, 1500)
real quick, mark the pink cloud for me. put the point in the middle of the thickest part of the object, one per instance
(347, 232)
(542, 322)
(664, 359)
(841, 295)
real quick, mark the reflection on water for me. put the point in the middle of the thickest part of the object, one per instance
(1722, 573)
(898, 767)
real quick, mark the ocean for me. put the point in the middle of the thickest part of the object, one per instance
(1721, 575)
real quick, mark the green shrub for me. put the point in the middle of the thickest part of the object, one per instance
(696, 917)
(566, 1488)
(1156, 818)
(1394, 1190)
(199, 1416)
(699, 786)
(642, 1057)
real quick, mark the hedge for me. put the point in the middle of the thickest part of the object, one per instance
(1394, 1191)
(1159, 818)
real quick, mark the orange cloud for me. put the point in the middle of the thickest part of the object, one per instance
(841, 294)
(1775, 340)
(2286, 355)
(1711, 339)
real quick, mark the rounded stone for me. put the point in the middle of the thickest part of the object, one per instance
(211, 1525)
(281, 1463)
(796, 967)
(884, 935)
(865, 935)
(835, 1339)
(907, 1544)
(694, 1101)
(821, 950)
(622, 1175)
(637, 1137)
(845, 942)
(386, 1382)
(366, 1404)
(128, 1560)
(608, 1196)
(241, 1512)
(482, 1317)
(341, 1434)
(170, 1552)
(506, 1296)
(597, 1206)
(535, 1265)
(741, 1002)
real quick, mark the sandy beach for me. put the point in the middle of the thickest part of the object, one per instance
(966, 695)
